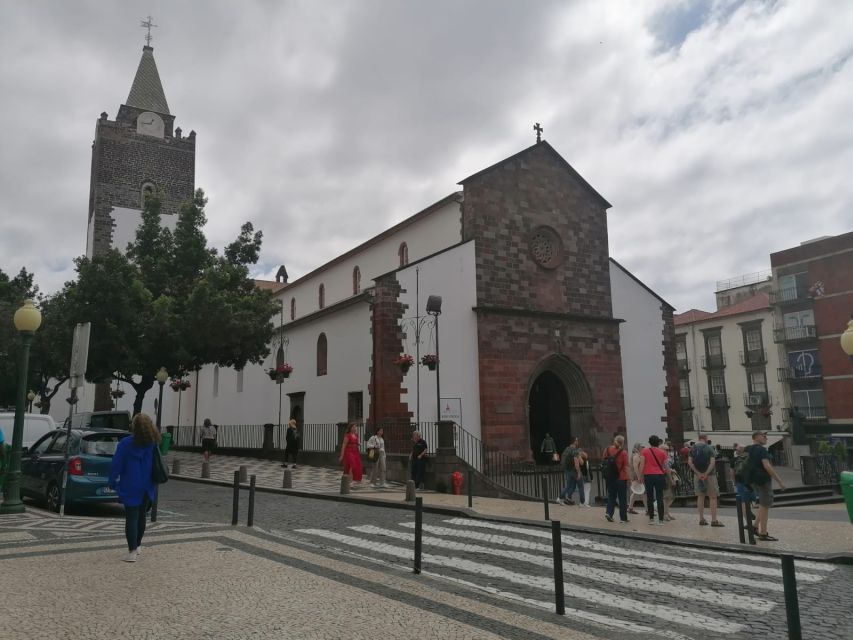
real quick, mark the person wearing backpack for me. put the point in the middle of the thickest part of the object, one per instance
(760, 474)
(744, 492)
(614, 469)
(570, 463)
(702, 461)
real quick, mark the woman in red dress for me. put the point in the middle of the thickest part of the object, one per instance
(351, 453)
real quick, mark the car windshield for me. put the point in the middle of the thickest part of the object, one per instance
(100, 444)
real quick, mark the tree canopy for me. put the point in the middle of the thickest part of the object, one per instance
(171, 301)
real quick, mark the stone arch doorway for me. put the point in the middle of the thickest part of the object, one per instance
(559, 403)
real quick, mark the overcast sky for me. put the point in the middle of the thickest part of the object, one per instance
(720, 131)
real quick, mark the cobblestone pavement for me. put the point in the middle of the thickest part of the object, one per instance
(481, 578)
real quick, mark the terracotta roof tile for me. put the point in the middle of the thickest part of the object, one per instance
(756, 303)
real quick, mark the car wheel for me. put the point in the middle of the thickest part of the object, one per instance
(52, 497)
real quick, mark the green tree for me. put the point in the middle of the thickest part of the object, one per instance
(172, 301)
(13, 292)
(51, 351)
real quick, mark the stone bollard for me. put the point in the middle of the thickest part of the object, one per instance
(287, 480)
(176, 467)
(205, 469)
(345, 483)
(244, 474)
(410, 491)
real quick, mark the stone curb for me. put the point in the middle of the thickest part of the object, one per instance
(845, 558)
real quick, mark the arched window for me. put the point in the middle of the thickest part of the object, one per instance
(322, 354)
(293, 308)
(216, 381)
(356, 280)
(148, 189)
(322, 296)
(403, 252)
(239, 381)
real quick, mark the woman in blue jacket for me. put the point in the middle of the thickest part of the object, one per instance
(130, 476)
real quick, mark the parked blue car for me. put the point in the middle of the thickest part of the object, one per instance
(89, 458)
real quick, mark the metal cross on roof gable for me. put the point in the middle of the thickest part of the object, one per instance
(538, 129)
(148, 24)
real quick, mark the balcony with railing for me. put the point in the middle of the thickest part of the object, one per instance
(686, 403)
(687, 421)
(683, 365)
(714, 361)
(794, 334)
(808, 414)
(717, 401)
(756, 399)
(754, 357)
(789, 295)
(792, 374)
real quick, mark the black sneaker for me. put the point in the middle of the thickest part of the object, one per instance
(609, 518)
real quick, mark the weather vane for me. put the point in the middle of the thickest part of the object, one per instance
(148, 24)
(538, 129)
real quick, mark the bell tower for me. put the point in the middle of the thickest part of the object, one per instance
(140, 151)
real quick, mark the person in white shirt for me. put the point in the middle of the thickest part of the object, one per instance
(208, 439)
(376, 444)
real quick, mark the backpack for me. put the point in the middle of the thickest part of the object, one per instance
(700, 456)
(743, 468)
(609, 470)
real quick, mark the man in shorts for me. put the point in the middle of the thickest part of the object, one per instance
(702, 461)
(761, 476)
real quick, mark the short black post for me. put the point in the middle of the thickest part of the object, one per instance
(250, 519)
(545, 497)
(470, 488)
(236, 504)
(750, 527)
(557, 542)
(419, 523)
(738, 505)
(792, 601)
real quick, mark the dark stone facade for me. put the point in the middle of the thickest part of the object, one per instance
(542, 309)
(124, 160)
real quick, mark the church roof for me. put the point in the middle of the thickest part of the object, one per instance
(147, 91)
(544, 145)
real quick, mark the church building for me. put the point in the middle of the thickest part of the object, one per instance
(497, 307)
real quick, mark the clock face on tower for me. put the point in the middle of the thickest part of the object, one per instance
(150, 124)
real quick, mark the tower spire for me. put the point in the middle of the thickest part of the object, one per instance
(147, 91)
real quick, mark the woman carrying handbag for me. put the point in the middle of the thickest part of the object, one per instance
(132, 477)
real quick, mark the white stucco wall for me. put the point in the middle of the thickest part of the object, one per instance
(640, 336)
(349, 349)
(452, 276)
(437, 231)
(127, 221)
(347, 332)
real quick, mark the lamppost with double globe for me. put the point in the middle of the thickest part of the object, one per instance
(161, 376)
(27, 321)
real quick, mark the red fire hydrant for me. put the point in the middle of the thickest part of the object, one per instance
(456, 479)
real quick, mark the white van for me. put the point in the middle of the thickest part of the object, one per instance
(35, 426)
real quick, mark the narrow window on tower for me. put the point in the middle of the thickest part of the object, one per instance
(148, 190)
(403, 253)
(356, 280)
(322, 354)
(321, 294)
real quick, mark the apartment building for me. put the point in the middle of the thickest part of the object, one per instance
(727, 365)
(812, 301)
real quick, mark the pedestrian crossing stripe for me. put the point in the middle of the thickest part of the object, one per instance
(751, 557)
(612, 549)
(633, 561)
(596, 596)
(600, 575)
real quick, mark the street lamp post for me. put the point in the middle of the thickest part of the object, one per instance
(433, 308)
(161, 376)
(847, 339)
(27, 321)
(30, 397)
